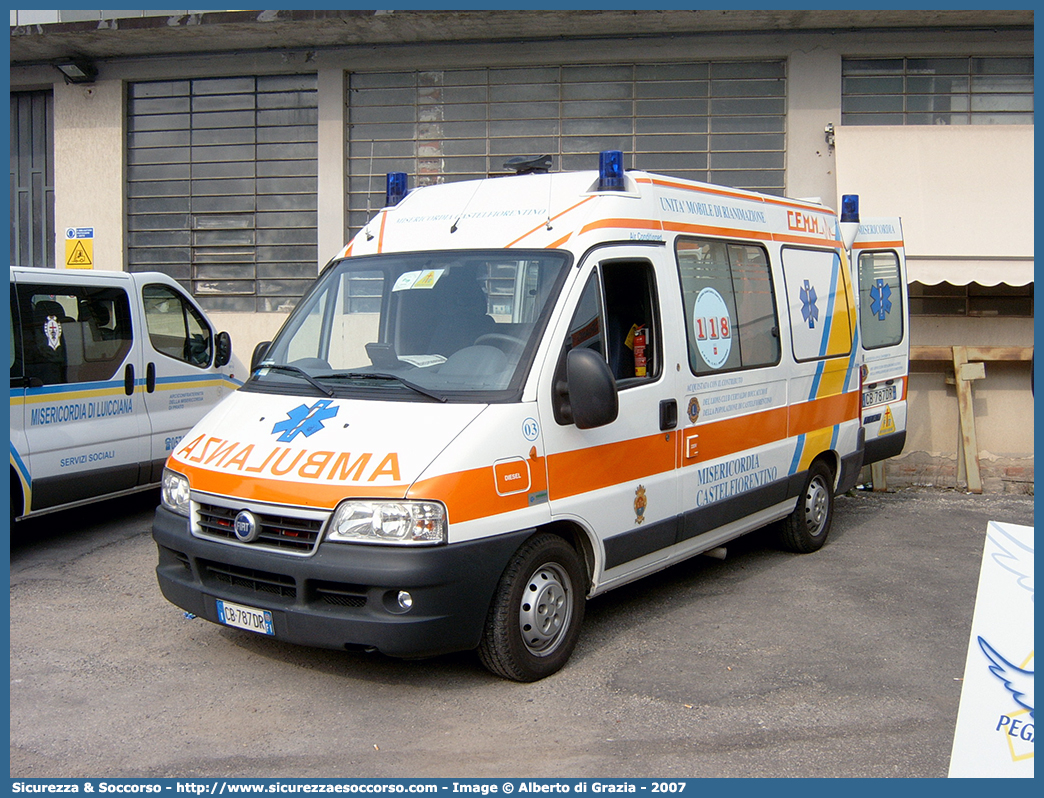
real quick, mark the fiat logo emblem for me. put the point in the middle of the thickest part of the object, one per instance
(247, 527)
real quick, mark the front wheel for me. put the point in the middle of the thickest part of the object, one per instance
(805, 530)
(534, 619)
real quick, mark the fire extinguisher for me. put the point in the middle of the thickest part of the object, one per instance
(640, 340)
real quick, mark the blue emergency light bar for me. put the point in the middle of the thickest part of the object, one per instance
(396, 188)
(610, 170)
(850, 208)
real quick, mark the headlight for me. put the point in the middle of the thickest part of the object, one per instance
(174, 492)
(407, 522)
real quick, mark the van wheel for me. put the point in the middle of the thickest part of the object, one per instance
(805, 530)
(534, 619)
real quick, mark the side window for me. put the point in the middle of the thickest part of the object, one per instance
(880, 299)
(819, 304)
(15, 338)
(632, 328)
(73, 333)
(617, 318)
(730, 306)
(586, 328)
(175, 327)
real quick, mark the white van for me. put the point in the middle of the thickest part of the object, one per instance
(108, 371)
(505, 396)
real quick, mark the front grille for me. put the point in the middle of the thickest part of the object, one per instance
(279, 532)
(249, 579)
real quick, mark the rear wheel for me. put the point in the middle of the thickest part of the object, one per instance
(805, 530)
(534, 619)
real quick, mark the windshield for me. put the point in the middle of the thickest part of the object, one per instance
(432, 326)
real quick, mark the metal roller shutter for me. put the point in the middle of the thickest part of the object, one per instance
(221, 187)
(32, 179)
(718, 122)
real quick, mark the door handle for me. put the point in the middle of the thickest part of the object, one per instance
(150, 377)
(128, 380)
(668, 414)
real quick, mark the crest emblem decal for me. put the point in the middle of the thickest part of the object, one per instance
(694, 410)
(53, 332)
(640, 503)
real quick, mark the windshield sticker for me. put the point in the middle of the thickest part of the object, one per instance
(426, 278)
(712, 327)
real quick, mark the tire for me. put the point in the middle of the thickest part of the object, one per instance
(535, 617)
(805, 530)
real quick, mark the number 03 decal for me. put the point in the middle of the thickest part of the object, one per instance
(712, 327)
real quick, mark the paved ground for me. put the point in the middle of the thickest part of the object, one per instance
(841, 663)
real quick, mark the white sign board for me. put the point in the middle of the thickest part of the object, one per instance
(994, 737)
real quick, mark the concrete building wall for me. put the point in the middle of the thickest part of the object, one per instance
(88, 168)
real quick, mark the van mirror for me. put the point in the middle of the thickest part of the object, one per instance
(259, 354)
(222, 349)
(592, 389)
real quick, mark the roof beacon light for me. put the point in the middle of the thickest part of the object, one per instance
(610, 171)
(396, 189)
(849, 219)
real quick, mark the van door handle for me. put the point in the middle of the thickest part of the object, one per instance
(150, 377)
(128, 379)
(668, 414)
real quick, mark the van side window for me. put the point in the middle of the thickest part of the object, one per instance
(820, 307)
(632, 328)
(73, 333)
(15, 339)
(880, 299)
(616, 317)
(175, 327)
(730, 306)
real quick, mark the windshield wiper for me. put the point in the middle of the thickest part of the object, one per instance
(298, 373)
(379, 375)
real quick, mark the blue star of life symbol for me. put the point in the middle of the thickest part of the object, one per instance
(809, 311)
(880, 299)
(304, 420)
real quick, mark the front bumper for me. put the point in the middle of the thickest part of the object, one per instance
(343, 596)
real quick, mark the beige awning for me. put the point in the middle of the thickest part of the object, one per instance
(961, 271)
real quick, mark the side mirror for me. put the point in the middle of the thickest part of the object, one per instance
(222, 349)
(592, 389)
(259, 354)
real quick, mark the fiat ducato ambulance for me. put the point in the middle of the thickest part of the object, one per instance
(108, 371)
(508, 395)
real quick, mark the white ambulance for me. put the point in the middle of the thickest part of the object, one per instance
(505, 396)
(108, 371)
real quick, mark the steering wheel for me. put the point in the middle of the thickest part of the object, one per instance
(501, 338)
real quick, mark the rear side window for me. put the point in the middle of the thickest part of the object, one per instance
(820, 307)
(730, 305)
(73, 334)
(176, 328)
(880, 299)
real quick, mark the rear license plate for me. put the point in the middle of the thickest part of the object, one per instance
(879, 395)
(248, 618)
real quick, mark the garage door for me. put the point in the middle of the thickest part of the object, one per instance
(221, 183)
(719, 122)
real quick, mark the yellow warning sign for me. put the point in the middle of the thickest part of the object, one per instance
(79, 253)
(887, 423)
(428, 279)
